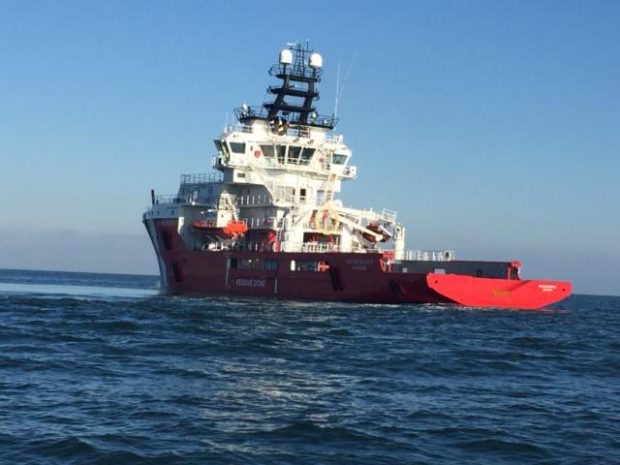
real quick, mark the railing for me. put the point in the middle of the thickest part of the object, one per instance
(320, 247)
(328, 228)
(430, 255)
(305, 247)
(388, 215)
(297, 165)
(296, 70)
(238, 127)
(253, 200)
(281, 194)
(201, 178)
(269, 222)
(248, 113)
(169, 199)
(333, 138)
(295, 131)
(349, 172)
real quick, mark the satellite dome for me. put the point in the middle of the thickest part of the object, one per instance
(316, 60)
(286, 57)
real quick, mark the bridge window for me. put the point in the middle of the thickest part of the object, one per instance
(339, 159)
(268, 150)
(281, 152)
(293, 154)
(306, 155)
(237, 147)
(221, 147)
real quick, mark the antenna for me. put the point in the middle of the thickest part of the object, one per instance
(337, 91)
(340, 87)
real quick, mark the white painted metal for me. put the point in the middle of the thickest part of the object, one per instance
(285, 183)
(286, 57)
(316, 60)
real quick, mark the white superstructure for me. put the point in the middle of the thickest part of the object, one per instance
(277, 175)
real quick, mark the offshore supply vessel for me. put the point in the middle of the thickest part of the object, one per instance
(267, 222)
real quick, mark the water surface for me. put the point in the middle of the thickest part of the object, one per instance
(100, 369)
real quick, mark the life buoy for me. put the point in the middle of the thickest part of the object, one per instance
(257, 153)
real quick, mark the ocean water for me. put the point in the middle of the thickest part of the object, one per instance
(100, 369)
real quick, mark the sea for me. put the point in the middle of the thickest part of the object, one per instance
(102, 369)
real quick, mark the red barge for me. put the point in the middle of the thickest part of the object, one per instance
(266, 222)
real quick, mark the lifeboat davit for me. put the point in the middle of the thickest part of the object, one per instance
(376, 228)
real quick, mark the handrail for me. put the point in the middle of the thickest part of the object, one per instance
(430, 255)
(349, 172)
(388, 215)
(253, 200)
(254, 246)
(249, 113)
(202, 178)
(268, 222)
(169, 199)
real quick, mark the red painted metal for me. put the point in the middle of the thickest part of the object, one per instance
(347, 277)
(504, 293)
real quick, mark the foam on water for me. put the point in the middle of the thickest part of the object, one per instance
(74, 291)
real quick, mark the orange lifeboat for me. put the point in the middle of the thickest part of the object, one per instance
(232, 230)
(235, 228)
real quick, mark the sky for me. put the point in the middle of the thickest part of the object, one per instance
(492, 127)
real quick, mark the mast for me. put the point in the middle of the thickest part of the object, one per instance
(299, 71)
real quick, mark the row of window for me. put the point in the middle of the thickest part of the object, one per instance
(296, 154)
(253, 264)
(309, 265)
(270, 264)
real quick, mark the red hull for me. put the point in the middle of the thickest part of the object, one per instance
(350, 277)
(504, 293)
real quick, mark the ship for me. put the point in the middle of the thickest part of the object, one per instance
(267, 222)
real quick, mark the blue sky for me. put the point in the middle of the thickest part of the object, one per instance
(492, 127)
